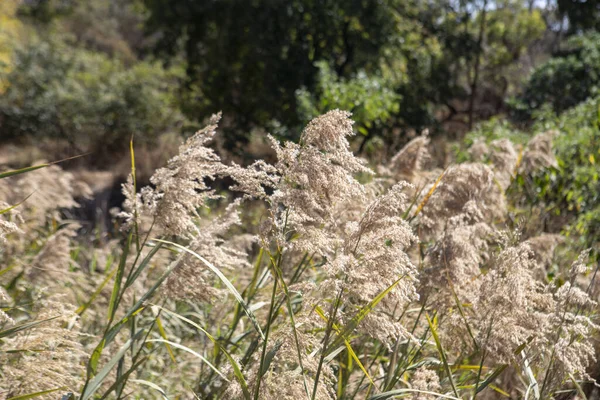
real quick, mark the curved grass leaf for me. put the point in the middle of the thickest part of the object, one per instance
(18, 328)
(345, 332)
(440, 349)
(151, 385)
(430, 193)
(15, 205)
(34, 167)
(269, 357)
(163, 334)
(137, 307)
(37, 394)
(401, 392)
(236, 368)
(223, 279)
(21, 171)
(115, 295)
(187, 349)
(97, 380)
(349, 348)
(120, 381)
(134, 275)
(492, 377)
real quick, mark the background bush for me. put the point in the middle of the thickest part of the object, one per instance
(567, 79)
(95, 102)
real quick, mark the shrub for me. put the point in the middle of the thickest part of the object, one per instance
(371, 101)
(565, 80)
(86, 98)
(565, 195)
(571, 190)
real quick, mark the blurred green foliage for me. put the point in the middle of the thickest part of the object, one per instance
(488, 131)
(400, 66)
(565, 80)
(567, 197)
(248, 58)
(573, 189)
(369, 99)
(94, 101)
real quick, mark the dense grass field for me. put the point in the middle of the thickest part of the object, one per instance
(319, 276)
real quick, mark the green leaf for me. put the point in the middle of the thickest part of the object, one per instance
(151, 385)
(21, 171)
(32, 395)
(269, 357)
(114, 297)
(347, 344)
(137, 307)
(400, 392)
(131, 279)
(163, 334)
(236, 368)
(95, 383)
(225, 281)
(187, 349)
(491, 377)
(279, 275)
(18, 328)
(85, 306)
(362, 313)
(95, 358)
(440, 349)
(15, 205)
(122, 379)
(34, 167)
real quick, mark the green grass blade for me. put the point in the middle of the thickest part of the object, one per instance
(85, 306)
(122, 379)
(15, 205)
(491, 377)
(288, 301)
(345, 332)
(429, 194)
(34, 167)
(37, 394)
(188, 350)
(92, 366)
(403, 392)
(18, 328)
(225, 281)
(7, 269)
(114, 297)
(236, 368)
(95, 383)
(21, 171)
(463, 316)
(132, 278)
(163, 334)
(135, 210)
(442, 353)
(348, 346)
(151, 385)
(134, 310)
(487, 382)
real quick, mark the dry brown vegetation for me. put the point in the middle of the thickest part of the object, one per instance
(318, 276)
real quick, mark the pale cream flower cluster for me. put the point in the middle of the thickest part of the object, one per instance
(285, 378)
(316, 177)
(49, 355)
